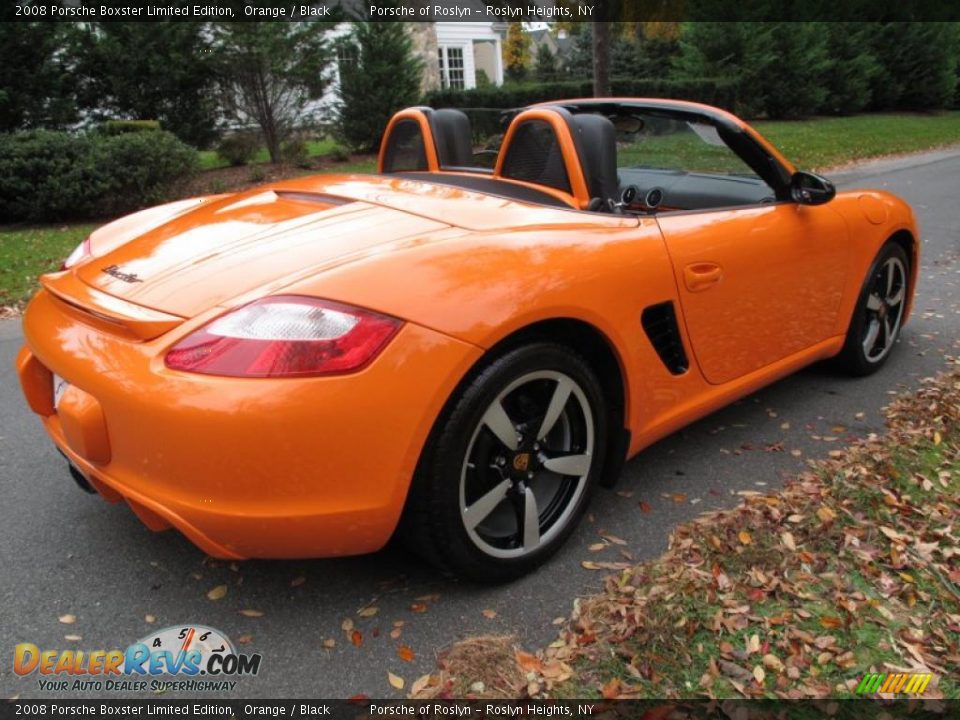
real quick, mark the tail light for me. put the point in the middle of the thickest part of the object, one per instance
(79, 254)
(285, 336)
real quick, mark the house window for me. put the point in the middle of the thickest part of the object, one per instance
(451, 67)
(347, 56)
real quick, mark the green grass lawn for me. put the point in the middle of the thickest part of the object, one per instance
(209, 160)
(26, 253)
(809, 144)
(827, 142)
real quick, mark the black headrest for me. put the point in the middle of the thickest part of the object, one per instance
(451, 133)
(598, 155)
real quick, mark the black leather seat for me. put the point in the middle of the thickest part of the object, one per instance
(452, 136)
(598, 157)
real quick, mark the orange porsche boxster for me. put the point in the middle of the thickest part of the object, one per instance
(446, 350)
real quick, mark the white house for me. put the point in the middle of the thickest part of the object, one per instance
(463, 49)
(453, 55)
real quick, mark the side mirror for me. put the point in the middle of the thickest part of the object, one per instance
(806, 188)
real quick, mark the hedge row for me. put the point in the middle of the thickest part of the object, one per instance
(49, 176)
(719, 92)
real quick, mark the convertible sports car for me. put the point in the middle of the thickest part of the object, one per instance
(456, 353)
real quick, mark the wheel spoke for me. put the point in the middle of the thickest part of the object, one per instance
(890, 277)
(870, 340)
(531, 520)
(887, 331)
(896, 299)
(557, 403)
(569, 464)
(499, 422)
(874, 302)
(481, 509)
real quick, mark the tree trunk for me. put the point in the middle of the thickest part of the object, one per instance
(601, 59)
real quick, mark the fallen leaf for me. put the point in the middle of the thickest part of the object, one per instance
(937, 437)
(788, 541)
(744, 537)
(73, 638)
(356, 637)
(611, 690)
(251, 613)
(395, 680)
(405, 653)
(597, 547)
(217, 593)
(528, 662)
(825, 513)
(645, 506)
(67, 619)
(759, 675)
(396, 633)
(329, 643)
(679, 497)
(419, 685)
(347, 625)
(489, 614)
(368, 612)
(298, 581)
(245, 639)
(150, 619)
(591, 565)
(418, 608)
(613, 539)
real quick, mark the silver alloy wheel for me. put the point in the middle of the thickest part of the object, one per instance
(526, 465)
(885, 305)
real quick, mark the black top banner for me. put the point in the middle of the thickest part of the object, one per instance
(476, 10)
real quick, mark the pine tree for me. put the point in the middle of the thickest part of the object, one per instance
(546, 64)
(516, 53)
(853, 67)
(384, 79)
(161, 70)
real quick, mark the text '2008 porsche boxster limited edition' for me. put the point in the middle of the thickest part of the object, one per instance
(453, 352)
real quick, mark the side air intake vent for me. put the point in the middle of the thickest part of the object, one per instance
(660, 325)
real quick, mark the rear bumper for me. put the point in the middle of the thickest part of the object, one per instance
(312, 467)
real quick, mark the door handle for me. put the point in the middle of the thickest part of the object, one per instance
(700, 276)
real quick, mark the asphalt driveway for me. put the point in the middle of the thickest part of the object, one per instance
(63, 552)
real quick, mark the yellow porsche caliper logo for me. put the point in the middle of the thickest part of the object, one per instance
(521, 461)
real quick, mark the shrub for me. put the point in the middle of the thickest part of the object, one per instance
(294, 151)
(141, 169)
(238, 148)
(119, 127)
(48, 176)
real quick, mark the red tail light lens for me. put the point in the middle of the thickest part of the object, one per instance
(285, 336)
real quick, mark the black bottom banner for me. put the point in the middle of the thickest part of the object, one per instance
(487, 709)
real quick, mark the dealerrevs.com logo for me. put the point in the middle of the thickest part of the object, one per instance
(198, 658)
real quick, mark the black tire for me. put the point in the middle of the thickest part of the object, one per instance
(466, 461)
(858, 357)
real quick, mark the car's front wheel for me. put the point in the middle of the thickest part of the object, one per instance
(511, 465)
(878, 316)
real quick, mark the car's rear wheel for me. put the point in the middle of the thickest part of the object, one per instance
(511, 465)
(878, 316)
